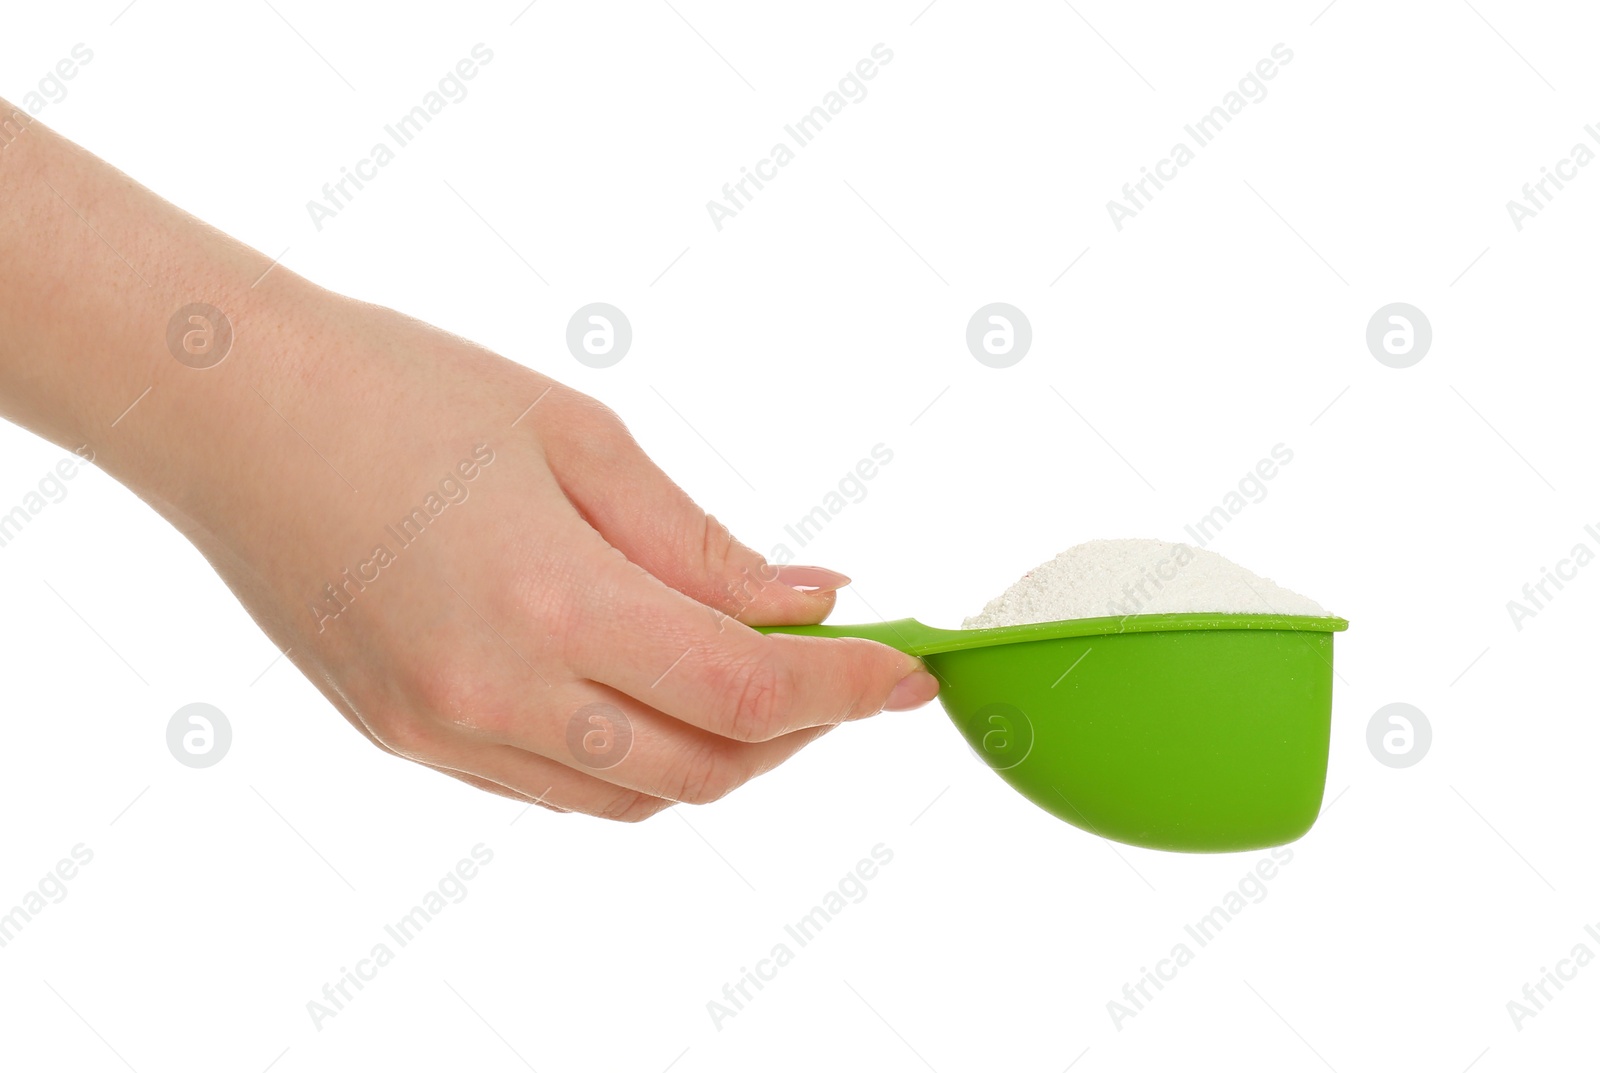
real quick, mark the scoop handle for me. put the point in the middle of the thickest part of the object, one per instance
(906, 634)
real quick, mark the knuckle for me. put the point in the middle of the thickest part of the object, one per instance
(448, 690)
(716, 546)
(601, 415)
(566, 601)
(708, 776)
(761, 692)
(604, 431)
(552, 610)
(740, 573)
(473, 694)
(405, 735)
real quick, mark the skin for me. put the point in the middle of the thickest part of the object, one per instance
(566, 583)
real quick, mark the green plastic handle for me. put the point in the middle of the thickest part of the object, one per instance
(906, 634)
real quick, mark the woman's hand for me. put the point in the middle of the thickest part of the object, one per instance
(475, 564)
(483, 571)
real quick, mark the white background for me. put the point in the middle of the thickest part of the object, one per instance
(828, 317)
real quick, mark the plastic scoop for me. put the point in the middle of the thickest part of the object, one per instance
(1194, 732)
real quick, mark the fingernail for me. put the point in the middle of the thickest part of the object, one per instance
(912, 691)
(811, 579)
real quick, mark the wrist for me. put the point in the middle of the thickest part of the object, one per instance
(227, 394)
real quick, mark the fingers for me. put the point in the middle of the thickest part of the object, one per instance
(627, 764)
(556, 786)
(664, 650)
(600, 732)
(513, 772)
(659, 645)
(640, 511)
(578, 745)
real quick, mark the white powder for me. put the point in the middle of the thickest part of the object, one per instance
(1137, 577)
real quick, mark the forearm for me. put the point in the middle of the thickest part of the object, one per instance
(93, 269)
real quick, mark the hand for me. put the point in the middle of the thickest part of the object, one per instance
(476, 565)
(481, 569)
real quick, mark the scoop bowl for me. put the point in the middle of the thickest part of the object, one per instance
(1200, 733)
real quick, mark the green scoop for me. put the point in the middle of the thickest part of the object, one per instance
(1194, 732)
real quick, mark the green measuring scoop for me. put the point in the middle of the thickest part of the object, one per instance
(1196, 732)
